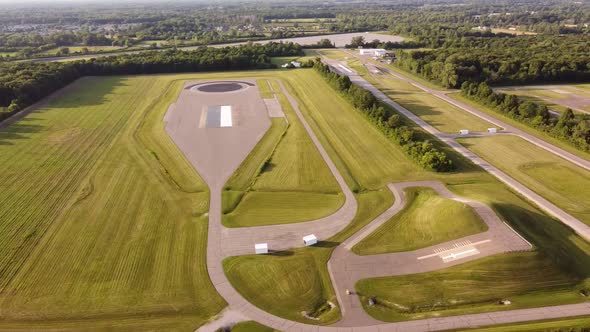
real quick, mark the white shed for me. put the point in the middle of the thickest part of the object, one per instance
(463, 132)
(261, 248)
(310, 240)
(492, 130)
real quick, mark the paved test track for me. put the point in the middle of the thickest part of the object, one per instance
(221, 244)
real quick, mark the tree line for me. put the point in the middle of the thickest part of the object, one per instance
(387, 121)
(569, 127)
(24, 83)
(502, 60)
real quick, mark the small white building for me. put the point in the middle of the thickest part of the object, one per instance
(492, 130)
(373, 51)
(294, 64)
(310, 240)
(261, 248)
(463, 132)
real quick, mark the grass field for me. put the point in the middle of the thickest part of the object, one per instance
(102, 216)
(293, 281)
(440, 114)
(251, 326)
(552, 97)
(103, 220)
(288, 283)
(368, 161)
(544, 136)
(575, 324)
(471, 287)
(284, 179)
(559, 181)
(427, 219)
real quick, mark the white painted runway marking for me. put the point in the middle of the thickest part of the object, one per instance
(345, 68)
(225, 119)
(456, 250)
(459, 254)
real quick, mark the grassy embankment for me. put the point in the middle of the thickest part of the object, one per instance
(418, 227)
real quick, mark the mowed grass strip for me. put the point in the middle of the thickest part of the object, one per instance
(366, 159)
(470, 288)
(251, 326)
(532, 131)
(285, 286)
(427, 219)
(104, 219)
(562, 324)
(443, 116)
(559, 181)
(284, 179)
(281, 207)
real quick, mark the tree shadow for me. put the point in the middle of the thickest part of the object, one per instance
(549, 236)
(326, 244)
(18, 131)
(84, 92)
(281, 253)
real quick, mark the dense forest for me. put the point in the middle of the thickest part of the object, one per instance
(388, 121)
(502, 60)
(23, 83)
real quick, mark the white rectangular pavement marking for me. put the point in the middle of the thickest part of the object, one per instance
(225, 119)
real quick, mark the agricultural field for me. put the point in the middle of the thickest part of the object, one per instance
(427, 219)
(284, 179)
(93, 194)
(561, 182)
(555, 97)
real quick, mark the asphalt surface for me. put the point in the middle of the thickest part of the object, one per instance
(575, 224)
